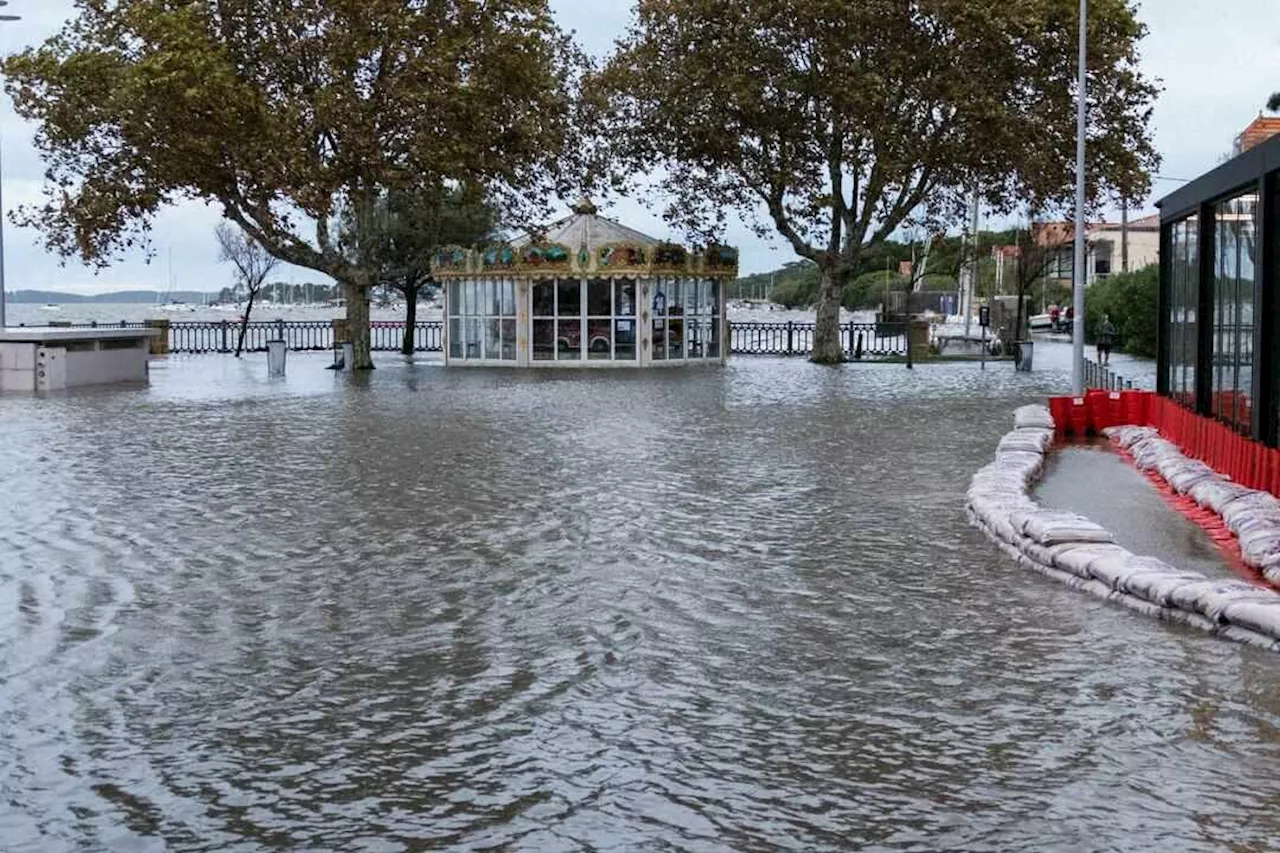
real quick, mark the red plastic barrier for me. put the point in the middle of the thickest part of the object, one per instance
(1078, 420)
(1135, 406)
(1060, 409)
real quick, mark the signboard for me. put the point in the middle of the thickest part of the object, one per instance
(984, 316)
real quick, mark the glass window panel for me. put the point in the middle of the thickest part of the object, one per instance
(509, 340)
(544, 299)
(474, 349)
(544, 340)
(455, 299)
(675, 339)
(493, 300)
(675, 298)
(624, 340)
(455, 338)
(713, 339)
(508, 298)
(599, 297)
(600, 339)
(569, 297)
(493, 338)
(659, 339)
(625, 298)
(660, 297)
(714, 297)
(569, 340)
(696, 345)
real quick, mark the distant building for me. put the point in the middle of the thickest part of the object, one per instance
(1103, 254)
(1259, 130)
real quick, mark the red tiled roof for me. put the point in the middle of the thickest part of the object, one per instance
(1259, 130)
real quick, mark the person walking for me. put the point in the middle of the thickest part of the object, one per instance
(1106, 340)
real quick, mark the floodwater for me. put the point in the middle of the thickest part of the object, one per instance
(697, 609)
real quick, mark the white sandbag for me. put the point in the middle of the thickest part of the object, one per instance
(1095, 587)
(1209, 598)
(1185, 477)
(1127, 436)
(1215, 493)
(1247, 508)
(1272, 573)
(1248, 637)
(1116, 569)
(1191, 620)
(1053, 528)
(1032, 416)
(1137, 605)
(1026, 462)
(1036, 551)
(1029, 440)
(1075, 557)
(1260, 546)
(1260, 616)
(1159, 586)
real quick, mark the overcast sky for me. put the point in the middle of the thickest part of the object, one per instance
(1218, 63)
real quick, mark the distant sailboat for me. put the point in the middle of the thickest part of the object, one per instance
(171, 304)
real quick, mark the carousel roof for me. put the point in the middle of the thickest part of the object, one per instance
(585, 243)
(585, 227)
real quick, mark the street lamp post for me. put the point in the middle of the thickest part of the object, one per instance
(3, 3)
(1078, 279)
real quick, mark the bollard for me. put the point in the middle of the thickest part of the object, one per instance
(276, 351)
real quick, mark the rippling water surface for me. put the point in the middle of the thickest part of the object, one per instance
(709, 609)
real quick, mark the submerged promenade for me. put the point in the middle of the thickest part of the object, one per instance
(702, 609)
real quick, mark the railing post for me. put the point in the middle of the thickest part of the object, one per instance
(791, 328)
(280, 330)
(226, 326)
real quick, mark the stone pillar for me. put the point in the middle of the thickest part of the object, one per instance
(159, 343)
(918, 338)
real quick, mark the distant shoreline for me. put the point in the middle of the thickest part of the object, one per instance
(118, 297)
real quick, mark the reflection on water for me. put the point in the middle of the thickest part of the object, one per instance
(700, 609)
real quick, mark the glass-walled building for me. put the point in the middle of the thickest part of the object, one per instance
(1219, 331)
(586, 292)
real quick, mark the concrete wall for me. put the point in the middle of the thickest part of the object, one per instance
(33, 366)
(17, 366)
(105, 366)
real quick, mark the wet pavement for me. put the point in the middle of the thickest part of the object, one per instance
(1095, 481)
(705, 609)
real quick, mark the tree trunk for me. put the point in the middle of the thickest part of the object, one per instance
(244, 322)
(827, 347)
(358, 324)
(410, 317)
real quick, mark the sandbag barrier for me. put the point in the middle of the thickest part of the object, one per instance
(1083, 555)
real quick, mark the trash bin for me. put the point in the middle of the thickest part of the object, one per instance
(1022, 356)
(275, 357)
(348, 355)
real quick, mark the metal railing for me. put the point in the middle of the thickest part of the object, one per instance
(221, 335)
(859, 340)
(1099, 376)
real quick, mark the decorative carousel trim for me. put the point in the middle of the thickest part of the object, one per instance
(544, 257)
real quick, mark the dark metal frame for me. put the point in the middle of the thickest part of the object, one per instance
(1257, 169)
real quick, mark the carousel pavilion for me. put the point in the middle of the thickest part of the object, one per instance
(586, 292)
